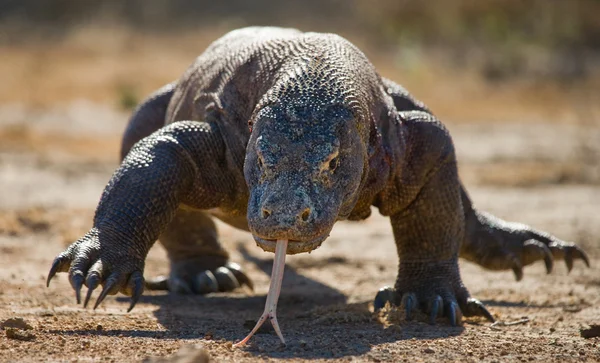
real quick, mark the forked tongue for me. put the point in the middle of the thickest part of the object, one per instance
(273, 295)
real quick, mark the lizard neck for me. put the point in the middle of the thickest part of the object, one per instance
(382, 155)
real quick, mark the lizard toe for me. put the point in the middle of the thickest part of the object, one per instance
(534, 250)
(179, 286)
(111, 286)
(226, 279)
(409, 302)
(434, 305)
(435, 308)
(445, 306)
(240, 275)
(60, 264)
(385, 295)
(205, 282)
(76, 278)
(189, 277)
(92, 282)
(134, 288)
(474, 307)
(453, 313)
(569, 252)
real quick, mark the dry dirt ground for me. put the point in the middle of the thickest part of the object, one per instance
(55, 161)
(50, 185)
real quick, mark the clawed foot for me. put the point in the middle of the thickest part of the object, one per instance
(97, 259)
(499, 245)
(434, 288)
(434, 306)
(195, 277)
(90, 265)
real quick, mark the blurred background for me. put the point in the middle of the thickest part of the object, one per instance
(467, 59)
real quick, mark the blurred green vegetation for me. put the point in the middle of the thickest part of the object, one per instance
(128, 96)
(503, 39)
(548, 23)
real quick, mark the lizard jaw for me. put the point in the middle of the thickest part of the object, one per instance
(293, 247)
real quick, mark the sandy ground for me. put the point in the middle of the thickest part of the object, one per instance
(541, 174)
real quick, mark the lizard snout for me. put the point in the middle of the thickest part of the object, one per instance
(285, 213)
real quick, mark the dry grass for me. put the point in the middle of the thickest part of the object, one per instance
(94, 63)
(68, 225)
(24, 139)
(107, 64)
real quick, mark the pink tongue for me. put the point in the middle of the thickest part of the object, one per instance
(273, 295)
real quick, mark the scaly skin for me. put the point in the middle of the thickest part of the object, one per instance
(283, 133)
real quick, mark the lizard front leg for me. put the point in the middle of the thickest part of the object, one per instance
(181, 164)
(428, 226)
(489, 241)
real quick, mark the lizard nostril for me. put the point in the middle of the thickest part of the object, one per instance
(305, 214)
(266, 213)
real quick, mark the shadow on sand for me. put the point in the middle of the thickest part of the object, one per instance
(315, 318)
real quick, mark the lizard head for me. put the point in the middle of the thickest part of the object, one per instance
(304, 167)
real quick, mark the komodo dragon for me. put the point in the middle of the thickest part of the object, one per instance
(283, 133)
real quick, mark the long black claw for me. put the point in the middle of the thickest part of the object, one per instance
(570, 252)
(548, 259)
(137, 280)
(454, 313)
(92, 283)
(517, 268)
(451, 315)
(110, 284)
(386, 294)
(474, 307)
(534, 250)
(77, 282)
(518, 271)
(435, 309)
(569, 259)
(226, 279)
(57, 266)
(239, 274)
(581, 254)
(549, 262)
(205, 283)
(574, 252)
(409, 301)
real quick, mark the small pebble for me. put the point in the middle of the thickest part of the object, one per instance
(18, 323)
(18, 334)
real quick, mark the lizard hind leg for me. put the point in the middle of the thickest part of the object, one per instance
(199, 263)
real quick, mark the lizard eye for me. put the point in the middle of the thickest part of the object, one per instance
(333, 163)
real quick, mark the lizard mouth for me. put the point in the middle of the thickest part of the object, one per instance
(293, 247)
